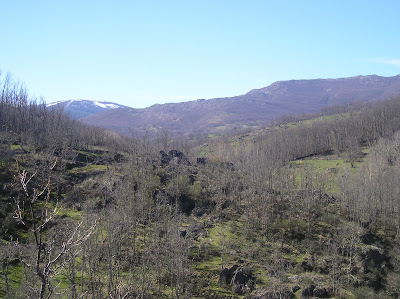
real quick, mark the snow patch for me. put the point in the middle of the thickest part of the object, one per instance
(54, 103)
(83, 103)
(103, 105)
(70, 102)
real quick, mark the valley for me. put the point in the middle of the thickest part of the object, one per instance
(304, 207)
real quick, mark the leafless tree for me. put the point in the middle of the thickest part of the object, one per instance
(35, 210)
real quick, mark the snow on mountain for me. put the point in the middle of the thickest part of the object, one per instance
(82, 108)
(56, 103)
(106, 105)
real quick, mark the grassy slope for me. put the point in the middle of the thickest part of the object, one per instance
(26, 157)
(228, 242)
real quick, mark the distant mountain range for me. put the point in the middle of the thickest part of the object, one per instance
(81, 108)
(252, 109)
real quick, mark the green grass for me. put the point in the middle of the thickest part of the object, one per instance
(328, 166)
(15, 146)
(211, 264)
(62, 283)
(91, 168)
(321, 164)
(14, 279)
(312, 121)
(88, 154)
(216, 245)
(318, 168)
(71, 213)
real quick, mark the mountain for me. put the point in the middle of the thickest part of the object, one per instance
(254, 108)
(82, 108)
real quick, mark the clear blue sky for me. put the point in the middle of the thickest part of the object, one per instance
(139, 53)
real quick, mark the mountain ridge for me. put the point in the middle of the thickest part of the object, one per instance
(252, 109)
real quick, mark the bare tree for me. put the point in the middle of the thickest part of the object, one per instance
(35, 211)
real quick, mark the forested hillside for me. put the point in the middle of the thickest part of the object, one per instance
(306, 208)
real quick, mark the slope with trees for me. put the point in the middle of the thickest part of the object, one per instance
(304, 208)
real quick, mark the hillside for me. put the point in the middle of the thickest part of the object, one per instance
(302, 209)
(255, 108)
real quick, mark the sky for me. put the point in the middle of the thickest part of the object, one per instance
(139, 53)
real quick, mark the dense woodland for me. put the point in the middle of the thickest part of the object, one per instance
(307, 207)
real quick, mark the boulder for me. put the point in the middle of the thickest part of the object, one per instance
(373, 254)
(308, 291)
(225, 276)
(174, 157)
(321, 292)
(198, 211)
(295, 288)
(201, 161)
(196, 229)
(305, 266)
(164, 158)
(237, 277)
